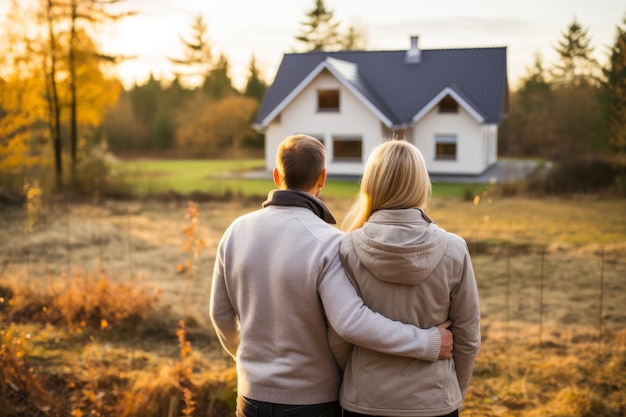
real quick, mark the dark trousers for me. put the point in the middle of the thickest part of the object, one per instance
(253, 408)
(347, 413)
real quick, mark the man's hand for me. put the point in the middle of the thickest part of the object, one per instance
(447, 340)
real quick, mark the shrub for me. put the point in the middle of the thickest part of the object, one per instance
(85, 300)
(588, 175)
(21, 392)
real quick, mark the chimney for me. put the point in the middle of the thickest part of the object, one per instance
(413, 55)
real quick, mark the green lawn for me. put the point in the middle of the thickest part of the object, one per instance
(227, 177)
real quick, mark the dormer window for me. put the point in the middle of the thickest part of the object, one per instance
(448, 105)
(328, 100)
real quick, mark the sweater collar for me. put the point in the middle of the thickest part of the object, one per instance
(297, 198)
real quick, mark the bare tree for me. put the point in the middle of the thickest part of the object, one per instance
(93, 13)
(53, 97)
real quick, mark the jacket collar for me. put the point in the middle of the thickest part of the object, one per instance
(297, 198)
(400, 215)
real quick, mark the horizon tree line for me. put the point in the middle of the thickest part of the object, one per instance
(57, 102)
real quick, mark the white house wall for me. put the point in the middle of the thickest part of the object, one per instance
(472, 157)
(490, 133)
(301, 116)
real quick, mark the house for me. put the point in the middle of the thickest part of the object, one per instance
(448, 102)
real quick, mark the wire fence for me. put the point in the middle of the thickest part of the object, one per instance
(578, 288)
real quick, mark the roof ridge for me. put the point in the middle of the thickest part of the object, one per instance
(360, 51)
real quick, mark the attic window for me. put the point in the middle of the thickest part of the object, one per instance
(445, 147)
(448, 105)
(328, 100)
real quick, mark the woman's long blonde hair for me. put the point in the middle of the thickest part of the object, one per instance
(395, 177)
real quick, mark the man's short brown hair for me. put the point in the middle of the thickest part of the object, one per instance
(300, 160)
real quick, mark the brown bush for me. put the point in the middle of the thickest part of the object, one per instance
(84, 300)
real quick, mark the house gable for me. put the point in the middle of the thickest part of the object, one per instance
(346, 73)
(347, 134)
(449, 91)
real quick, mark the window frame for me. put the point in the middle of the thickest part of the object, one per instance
(328, 100)
(349, 157)
(443, 144)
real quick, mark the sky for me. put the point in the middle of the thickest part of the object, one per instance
(267, 29)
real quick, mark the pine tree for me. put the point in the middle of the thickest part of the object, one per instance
(354, 40)
(576, 64)
(218, 84)
(530, 129)
(614, 91)
(255, 86)
(576, 102)
(197, 60)
(319, 31)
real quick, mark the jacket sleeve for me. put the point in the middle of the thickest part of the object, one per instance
(221, 310)
(359, 325)
(465, 315)
(340, 348)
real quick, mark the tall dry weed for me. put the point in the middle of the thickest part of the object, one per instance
(192, 246)
(84, 300)
(184, 370)
(561, 377)
(171, 392)
(21, 391)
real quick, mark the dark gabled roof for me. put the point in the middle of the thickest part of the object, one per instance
(399, 90)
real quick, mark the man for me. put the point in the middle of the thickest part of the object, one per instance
(278, 283)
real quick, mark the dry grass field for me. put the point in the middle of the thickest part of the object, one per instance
(551, 275)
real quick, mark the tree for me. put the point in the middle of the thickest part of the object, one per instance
(90, 13)
(614, 91)
(91, 91)
(530, 129)
(197, 60)
(354, 40)
(69, 76)
(54, 108)
(576, 104)
(121, 126)
(146, 101)
(218, 84)
(211, 128)
(319, 30)
(574, 50)
(21, 111)
(23, 106)
(255, 86)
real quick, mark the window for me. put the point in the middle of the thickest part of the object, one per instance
(445, 147)
(347, 148)
(328, 100)
(448, 105)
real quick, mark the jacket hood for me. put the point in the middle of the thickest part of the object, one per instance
(400, 246)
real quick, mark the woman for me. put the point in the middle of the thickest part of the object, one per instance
(408, 269)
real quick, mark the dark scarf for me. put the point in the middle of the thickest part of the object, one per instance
(297, 198)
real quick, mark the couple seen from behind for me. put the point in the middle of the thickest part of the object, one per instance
(361, 323)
